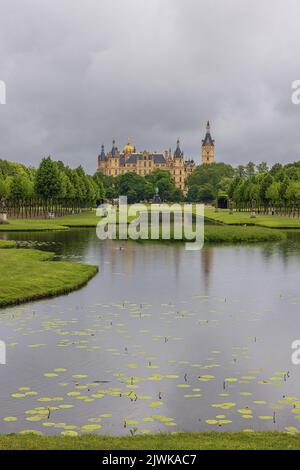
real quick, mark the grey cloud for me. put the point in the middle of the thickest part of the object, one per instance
(80, 73)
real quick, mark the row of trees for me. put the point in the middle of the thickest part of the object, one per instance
(56, 188)
(52, 188)
(277, 189)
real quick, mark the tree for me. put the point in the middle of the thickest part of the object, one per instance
(273, 193)
(293, 193)
(131, 182)
(276, 170)
(162, 180)
(21, 187)
(48, 179)
(283, 190)
(266, 181)
(233, 186)
(149, 191)
(262, 168)
(241, 171)
(192, 194)
(98, 179)
(176, 195)
(250, 170)
(206, 193)
(132, 196)
(224, 184)
(253, 194)
(3, 189)
(210, 174)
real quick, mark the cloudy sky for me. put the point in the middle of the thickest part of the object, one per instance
(80, 73)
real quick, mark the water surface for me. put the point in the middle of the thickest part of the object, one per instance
(162, 339)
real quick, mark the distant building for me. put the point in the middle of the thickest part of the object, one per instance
(115, 162)
(208, 148)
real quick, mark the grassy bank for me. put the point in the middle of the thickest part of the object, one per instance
(85, 219)
(230, 234)
(181, 441)
(242, 218)
(31, 274)
(7, 244)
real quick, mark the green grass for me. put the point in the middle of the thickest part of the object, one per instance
(228, 234)
(7, 244)
(85, 219)
(181, 441)
(231, 234)
(31, 225)
(27, 275)
(241, 218)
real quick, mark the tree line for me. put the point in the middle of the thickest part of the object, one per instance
(275, 189)
(52, 188)
(248, 187)
(56, 189)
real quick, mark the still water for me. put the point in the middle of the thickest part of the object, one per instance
(162, 339)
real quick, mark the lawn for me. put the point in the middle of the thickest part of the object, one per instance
(85, 219)
(31, 225)
(242, 218)
(237, 234)
(27, 274)
(177, 441)
(7, 244)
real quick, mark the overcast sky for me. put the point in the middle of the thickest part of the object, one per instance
(79, 73)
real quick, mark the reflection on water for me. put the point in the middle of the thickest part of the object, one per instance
(161, 339)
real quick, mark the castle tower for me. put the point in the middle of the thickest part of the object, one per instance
(208, 148)
(129, 148)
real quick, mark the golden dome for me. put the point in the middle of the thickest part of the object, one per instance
(129, 148)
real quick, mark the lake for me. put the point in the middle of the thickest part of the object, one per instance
(162, 339)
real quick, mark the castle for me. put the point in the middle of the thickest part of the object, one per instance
(116, 162)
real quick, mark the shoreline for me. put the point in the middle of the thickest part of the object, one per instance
(34, 275)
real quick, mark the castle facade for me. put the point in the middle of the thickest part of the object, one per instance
(115, 162)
